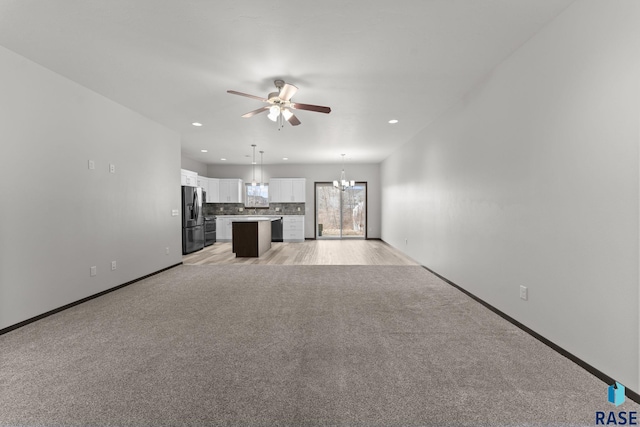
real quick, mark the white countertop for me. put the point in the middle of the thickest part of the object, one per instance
(254, 219)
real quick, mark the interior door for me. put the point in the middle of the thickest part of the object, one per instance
(341, 214)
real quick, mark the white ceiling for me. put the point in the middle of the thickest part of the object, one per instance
(369, 60)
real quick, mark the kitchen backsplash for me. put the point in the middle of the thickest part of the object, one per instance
(234, 209)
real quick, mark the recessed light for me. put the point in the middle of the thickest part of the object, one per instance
(393, 121)
(285, 158)
(196, 124)
(204, 151)
(223, 159)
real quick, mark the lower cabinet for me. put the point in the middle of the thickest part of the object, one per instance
(293, 228)
(223, 229)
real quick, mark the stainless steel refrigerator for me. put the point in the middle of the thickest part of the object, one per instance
(192, 220)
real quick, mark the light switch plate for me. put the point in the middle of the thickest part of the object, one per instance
(92, 165)
(112, 168)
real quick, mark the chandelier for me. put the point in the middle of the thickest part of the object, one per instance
(343, 184)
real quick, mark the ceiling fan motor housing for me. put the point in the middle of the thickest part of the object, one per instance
(273, 96)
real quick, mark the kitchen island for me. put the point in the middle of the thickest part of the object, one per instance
(251, 236)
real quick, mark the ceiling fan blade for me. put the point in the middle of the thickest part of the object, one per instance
(254, 112)
(294, 120)
(317, 108)
(259, 98)
(287, 92)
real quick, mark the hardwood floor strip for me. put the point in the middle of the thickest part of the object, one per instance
(310, 252)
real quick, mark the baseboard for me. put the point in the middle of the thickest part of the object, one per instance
(64, 307)
(592, 370)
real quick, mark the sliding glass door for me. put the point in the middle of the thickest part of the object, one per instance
(341, 214)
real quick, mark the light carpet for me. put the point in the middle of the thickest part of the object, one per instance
(292, 346)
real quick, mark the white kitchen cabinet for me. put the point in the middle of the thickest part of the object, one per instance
(188, 178)
(275, 190)
(293, 228)
(298, 190)
(223, 229)
(203, 182)
(213, 195)
(230, 191)
(287, 190)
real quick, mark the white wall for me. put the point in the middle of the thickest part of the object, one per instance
(315, 173)
(57, 217)
(194, 165)
(533, 179)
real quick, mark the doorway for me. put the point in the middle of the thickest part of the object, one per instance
(341, 214)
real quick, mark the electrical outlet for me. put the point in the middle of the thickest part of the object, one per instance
(113, 265)
(298, 208)
(92, 165)
(524, 293)
(240, 209)
(112, 168)
(174, 212)
(93, 271)
(277, 209)
(221, 209)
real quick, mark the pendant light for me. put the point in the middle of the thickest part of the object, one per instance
(253, 166)
(343, 184)
(261, 177)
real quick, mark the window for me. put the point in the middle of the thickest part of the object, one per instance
(256, 196)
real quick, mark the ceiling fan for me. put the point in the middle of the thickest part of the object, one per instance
(280, 104)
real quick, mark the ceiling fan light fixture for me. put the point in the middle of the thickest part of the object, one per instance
(279, 104)
(274, 112)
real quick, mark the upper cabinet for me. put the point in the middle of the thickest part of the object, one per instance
(230, 191)
(287, 190)
(218, 190)
(188, 178)
(203, 182)
(213, 194)
(211, 186)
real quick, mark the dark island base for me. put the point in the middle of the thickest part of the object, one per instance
(251, 239)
